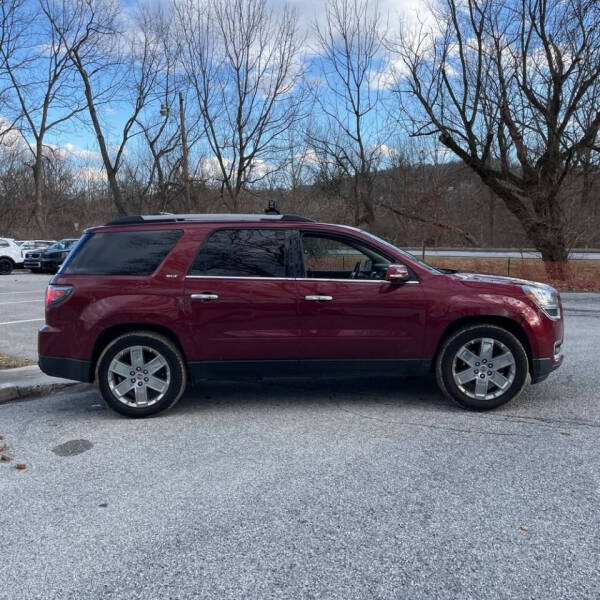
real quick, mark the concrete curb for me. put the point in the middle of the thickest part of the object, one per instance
(10, 392)
(25, 381)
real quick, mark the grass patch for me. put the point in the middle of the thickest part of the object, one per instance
(11, 362)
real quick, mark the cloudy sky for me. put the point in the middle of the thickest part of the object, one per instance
(78, 141)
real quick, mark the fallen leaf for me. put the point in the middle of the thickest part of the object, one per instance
(20, 466)
(524, 528)
(5, 458)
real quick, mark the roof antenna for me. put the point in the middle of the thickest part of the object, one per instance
(272, 208)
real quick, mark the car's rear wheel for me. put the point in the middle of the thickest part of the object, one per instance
(6, 266)
(482, 366)
(141, 373)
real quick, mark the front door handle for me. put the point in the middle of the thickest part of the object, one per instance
(205, 297)
(319, 298)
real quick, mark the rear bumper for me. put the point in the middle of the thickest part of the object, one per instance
(67, 368)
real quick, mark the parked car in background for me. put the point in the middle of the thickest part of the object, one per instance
(50, 258)
(145, 304)
(54, 256)
(10, 256)
(33, 260)
(27, 245)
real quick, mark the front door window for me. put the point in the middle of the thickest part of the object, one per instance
(332, 258)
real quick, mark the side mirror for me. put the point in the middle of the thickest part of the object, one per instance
(397, 273)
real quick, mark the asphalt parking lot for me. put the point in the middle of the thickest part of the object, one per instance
(306, 489)
(21, 312)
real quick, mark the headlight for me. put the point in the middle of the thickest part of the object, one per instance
(546, 298)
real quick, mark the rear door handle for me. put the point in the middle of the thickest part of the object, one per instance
(205, 297)
(319, 298)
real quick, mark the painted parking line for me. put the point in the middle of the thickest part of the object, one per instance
(23, 321)
(21, 301)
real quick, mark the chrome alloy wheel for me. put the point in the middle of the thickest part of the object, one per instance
(139, 376)
(484, 368)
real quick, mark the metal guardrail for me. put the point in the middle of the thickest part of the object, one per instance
(498, 253)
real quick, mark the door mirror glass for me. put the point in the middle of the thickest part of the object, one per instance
(397, 273)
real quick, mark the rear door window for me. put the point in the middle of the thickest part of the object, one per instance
(244, 253)
(121, 253)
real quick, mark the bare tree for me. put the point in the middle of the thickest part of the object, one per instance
(504, 87)
(349, 95)
(109, 62)
(11, 23)
(15, 185)
(415, 189)
(241, 59)
(44, 91)
(159, 119)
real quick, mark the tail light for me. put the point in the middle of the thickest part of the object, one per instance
(57, 293)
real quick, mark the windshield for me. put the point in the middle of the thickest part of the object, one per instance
(62, 245)
(410, 256)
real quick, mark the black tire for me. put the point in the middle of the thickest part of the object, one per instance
(6, 266)
(153, 344)
(466, 336)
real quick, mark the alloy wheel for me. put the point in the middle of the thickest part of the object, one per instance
(484, 368)
(139, 376)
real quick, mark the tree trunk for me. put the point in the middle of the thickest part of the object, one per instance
(38, 178)
(553, 248)
(108, 165)
(545, 227)
(114, 188)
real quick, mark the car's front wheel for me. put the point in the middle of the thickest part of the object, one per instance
(482, 366)
(141, 373)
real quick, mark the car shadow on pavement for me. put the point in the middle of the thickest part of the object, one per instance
(408, 392)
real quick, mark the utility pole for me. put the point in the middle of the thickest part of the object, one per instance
(186, 171)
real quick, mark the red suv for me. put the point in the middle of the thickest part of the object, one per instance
(146, 304)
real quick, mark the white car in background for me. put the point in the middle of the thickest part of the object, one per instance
(10, 256)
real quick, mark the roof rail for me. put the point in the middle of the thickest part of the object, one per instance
(207, 218)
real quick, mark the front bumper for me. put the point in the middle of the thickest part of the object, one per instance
(52, 265)
(67, 368)
(542, 367)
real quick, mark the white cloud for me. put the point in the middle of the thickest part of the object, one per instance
(209, 169)
(91, 175)
(10, 138)
(386, 77)
(391, 11)
(71, 151)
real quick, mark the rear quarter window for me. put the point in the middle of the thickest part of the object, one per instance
(121, 253)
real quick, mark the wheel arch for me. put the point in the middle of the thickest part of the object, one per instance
(506, 323)
(115, 331)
